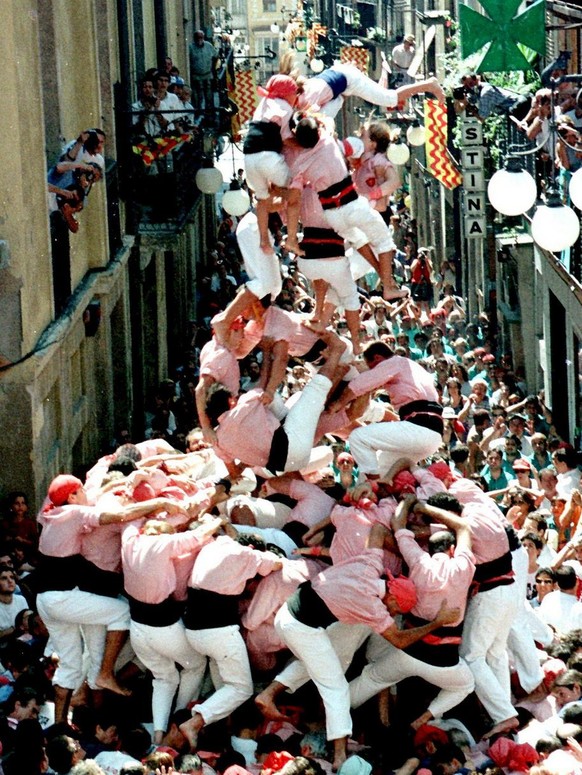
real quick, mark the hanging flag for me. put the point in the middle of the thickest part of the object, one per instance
(244, 95)
(439, 161)
(357, 55)
(317, 30)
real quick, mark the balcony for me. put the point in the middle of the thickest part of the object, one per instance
(157, 174)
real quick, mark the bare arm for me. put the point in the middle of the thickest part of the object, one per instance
(204, 384)
(138, 510)
(280, 358)
(460, 527)
(404, 638)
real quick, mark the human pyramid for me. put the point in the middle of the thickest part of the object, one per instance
(239, 557)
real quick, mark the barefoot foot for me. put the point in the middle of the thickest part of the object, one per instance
(392, 293)
(191, 728)
(292, 246)
(266, 704)
(267, 247)
(109, 683)
(422, 720)
(502, 727)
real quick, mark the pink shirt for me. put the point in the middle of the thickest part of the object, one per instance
(225, 566)
(276, 111)
(313, 504)
(220, 364)
(365, 175)
(428, 484)
(149, 562)
(273, 590)
(404, 379)
(319, 167)
(353, 527)
(288, 326)
(353, 590)
(103, 547)
(489, 539)
(316, 94)
(245, 432)
(63, 528)
(437, 578)
(312, 213)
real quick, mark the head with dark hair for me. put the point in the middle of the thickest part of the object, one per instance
(379, 133)
(133, 769)
(445, 501)
(61, 752)
(481, 417)
(566, 578)
(135, 741)
(307, 132)
(253, 540)
(23, 702)
(459, 453)
(546, 745)
(125, 465)
(130, 451)
(377, 350)
(441, 541)
(227, 760)
(268, 743)
(217, 402)
(565, 456)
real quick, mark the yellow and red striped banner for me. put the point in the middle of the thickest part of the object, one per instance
(243, 92)
(313, 38)
(357, 55)
(438, 159)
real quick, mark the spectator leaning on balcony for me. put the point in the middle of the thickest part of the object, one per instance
(203, 58)
(167, 100)
(147, 121)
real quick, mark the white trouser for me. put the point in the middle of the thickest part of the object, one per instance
(358, 215)
(335, 271)
(159, 648)
(392, 665)
(359, 85)
(301, 421)
(262, 268)
(226, 646)
(488, 620)
(400, 439)
(320, 662)
(263, 168)
(523, 649)
(73, 617)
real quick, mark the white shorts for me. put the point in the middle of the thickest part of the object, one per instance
(262, 268)
(264, 168)
(335, 271)
(357, 216)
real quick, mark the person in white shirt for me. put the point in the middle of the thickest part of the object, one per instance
(402, 56)
(10, 604)
(565, 461)
(561, 608)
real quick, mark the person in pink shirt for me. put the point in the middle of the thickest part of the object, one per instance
(155, 604)
(350, 599)
(412, 394)
(253, 434)
(219, 363)
(264, 164)
(375, 177)
(443, 573)
(322, 165)
(64, 607)
(258, 620)
(219, 577)
(325, 261)
(492, 610)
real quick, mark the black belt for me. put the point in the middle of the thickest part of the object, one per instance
(98, 581)
(278, 453)
(321, 243)
(59, 574)
(155, 614)
(338, 194)
(307, 607)
(427, 414)
(206, 610)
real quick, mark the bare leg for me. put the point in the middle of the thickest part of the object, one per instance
(293, 210)
(191, 728)
(265, 701)
(389, 287)
(368, 254)
(340, 753)
(62, 702)
(384, 707)
(320, 287)
(353, 321)
(263, 224)
(222, 322)
(106, 679)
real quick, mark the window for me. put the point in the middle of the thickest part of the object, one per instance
(269, 6)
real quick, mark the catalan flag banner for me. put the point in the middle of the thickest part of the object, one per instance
(439, 160)
(242, 90)
(313, 36)
(356, 55)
